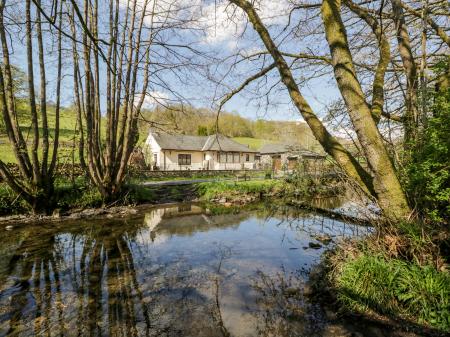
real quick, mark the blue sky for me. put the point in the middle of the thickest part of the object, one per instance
(223, 33)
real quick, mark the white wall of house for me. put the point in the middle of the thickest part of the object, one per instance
(208, 160)
(234, 161)
(152, 150)
(170, 160)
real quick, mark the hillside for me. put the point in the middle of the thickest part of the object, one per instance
(173, 119)
(192, 121)
(68, 126)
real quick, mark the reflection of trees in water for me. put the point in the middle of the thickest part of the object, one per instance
(95, 279)
(80, 277)
(283, 309)
(312, 223)
(84, 282)
(35, 280)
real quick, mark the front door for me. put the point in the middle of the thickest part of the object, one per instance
(276, 163)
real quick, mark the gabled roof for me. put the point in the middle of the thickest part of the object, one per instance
(198, 143)
(222, 143)
(179, 142)
(294, 150)
(278, 148)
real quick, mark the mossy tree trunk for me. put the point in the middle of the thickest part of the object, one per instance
(331, 145)
(390, 194)
(384, 185)
(411, 115)
(36, 175)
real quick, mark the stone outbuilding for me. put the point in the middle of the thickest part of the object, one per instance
(288, 157)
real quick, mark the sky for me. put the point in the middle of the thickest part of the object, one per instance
(221, 31)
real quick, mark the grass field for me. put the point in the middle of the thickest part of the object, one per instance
(67, 136)
(68, 125)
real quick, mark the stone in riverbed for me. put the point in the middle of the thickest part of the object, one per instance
(314, 245)
(56, 213)
(325, 238)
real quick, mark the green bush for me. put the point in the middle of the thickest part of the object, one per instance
(429, 170)
(78, 194)
(10, 203)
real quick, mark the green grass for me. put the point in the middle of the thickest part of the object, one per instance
(225, 189)
(397, 288)
(400, 271)
(67, 123)
(253, 143)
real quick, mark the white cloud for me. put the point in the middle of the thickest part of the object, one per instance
(221, 21)
(154, 98)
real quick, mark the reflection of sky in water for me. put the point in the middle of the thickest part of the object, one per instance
(169, 271)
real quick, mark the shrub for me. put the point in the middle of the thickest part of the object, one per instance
(428, 171)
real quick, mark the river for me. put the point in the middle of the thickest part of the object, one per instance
(179, 270)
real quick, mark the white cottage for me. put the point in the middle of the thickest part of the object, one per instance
(180, 152)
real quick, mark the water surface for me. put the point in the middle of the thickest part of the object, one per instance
(182, 270)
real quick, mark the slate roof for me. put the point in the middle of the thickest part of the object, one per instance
(198, 143)
(223, 143)
(293, 149)
(278, 148)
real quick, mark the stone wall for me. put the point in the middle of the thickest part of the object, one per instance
(68, 171)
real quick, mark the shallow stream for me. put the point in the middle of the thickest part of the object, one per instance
(180, 270)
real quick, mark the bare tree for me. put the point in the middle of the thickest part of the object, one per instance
(36, 165)
(117, 62)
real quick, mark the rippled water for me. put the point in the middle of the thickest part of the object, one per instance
(174, 271)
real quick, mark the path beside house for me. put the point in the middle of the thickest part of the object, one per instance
(193, 181)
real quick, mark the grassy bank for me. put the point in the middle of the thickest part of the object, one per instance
(400, 272)
(80, 194)
(235, 191)
(75, 195)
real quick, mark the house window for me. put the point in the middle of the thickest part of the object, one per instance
(184, 159)
(229, 157)
(223, 157)
(236, 158)
(247, 157)
(155, 158)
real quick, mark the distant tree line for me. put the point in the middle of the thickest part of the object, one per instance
(202, 122)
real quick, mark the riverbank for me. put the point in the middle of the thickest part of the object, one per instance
(80, 200)
(398, 273)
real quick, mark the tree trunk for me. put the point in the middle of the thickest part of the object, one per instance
(389, 192)
(411, 117)
(35, 183)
